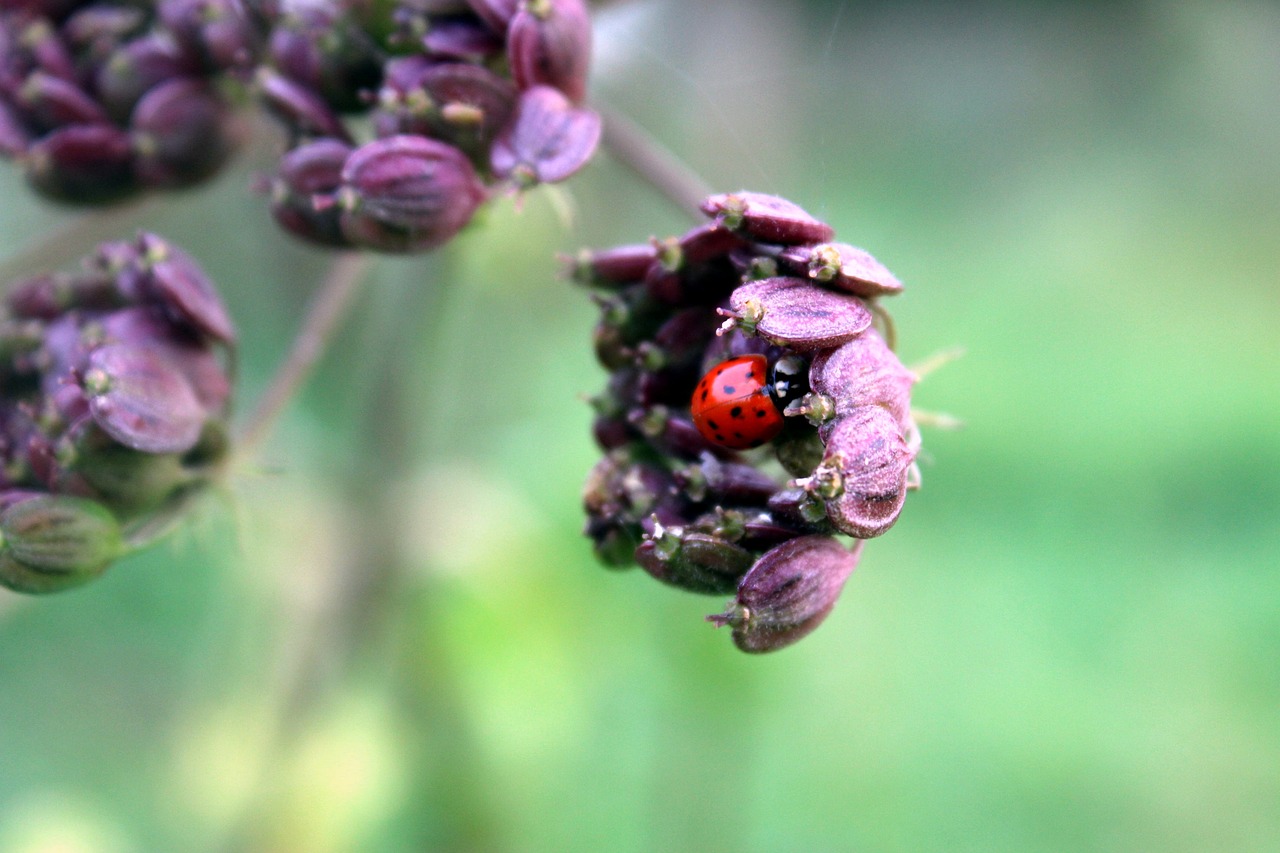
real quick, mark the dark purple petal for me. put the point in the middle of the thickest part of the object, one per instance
(788, 592)
(549, 43)
(798, 314)
(547, 141)
(496, 13)
(202, 368)
(137, 67)
(84, 163)
(871, 457)
(180, 133)
(766, 217)
(142, 402)
(843, 267)
(619, 265)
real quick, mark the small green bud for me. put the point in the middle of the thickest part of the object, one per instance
(49, 543)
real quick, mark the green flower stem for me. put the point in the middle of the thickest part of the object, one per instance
(324, 315)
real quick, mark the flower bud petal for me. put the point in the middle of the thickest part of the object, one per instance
(869, 453)
(53, 542)
(549, 43)
(183, 290)
(795, 313)
(180, 133)
(863, 372)
(547, 140)
(311, 173)
(82, 163)
(788, 592)
(844, 267)
(408, 193)
(140, 401)
(766, 217)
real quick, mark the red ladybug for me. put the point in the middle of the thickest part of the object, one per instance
(732, 406)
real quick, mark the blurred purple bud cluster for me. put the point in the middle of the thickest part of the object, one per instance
(462, 99)
(114, 390)
(101, 99)
(761, 278)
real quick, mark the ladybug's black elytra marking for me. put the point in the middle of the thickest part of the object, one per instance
(713, 425)
(760, 413)
(735, 412)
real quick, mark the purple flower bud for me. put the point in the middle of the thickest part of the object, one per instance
(843, 267)
(863, 478)
(141, 401)
(94, 32)
(179, 133)
(613, 267)
(303, 198)
(221, 32)
(49, 543)
(82, 163)
(137, 67)
(406, 193)
(320, 48)
(707, 243)
(302, 111)
(549, 43)
(465, 105)
(198, 364)
(795, 313)
(726, 482)
(863, 372)
(788, 592)
(547, 140)
(52, 102)
(182, 290)
(766, 217)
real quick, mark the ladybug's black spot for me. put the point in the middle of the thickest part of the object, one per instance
(704, 395)
(719, 437)
(735, 412)
(739, 436)
(713, 424)
(760, 413)
(729, 389)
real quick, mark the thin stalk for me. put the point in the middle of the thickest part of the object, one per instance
(324, 314)
(637, 149)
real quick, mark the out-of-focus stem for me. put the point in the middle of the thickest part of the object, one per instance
(324, 314)
(653, 161)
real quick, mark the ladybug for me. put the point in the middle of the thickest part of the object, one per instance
(737, 407)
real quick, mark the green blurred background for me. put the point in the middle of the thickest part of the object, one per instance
(391, 636)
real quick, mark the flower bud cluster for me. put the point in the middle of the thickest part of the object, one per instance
(101, 99)
(114, 391)
(461, 97)
(691, 510)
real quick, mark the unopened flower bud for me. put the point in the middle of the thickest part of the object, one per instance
(867, 462)
(407, 193)
(788, 592)
(82, 163)
(179, 133)
(50, 543)
(549, 44)
(863, 372)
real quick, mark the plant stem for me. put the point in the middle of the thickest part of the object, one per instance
(637, 149)
(324, 314)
